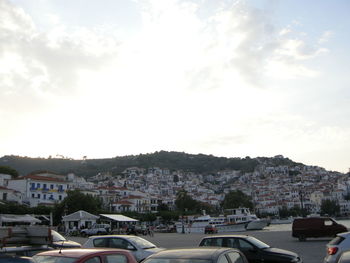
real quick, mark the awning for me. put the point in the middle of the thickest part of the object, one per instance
(120, 218)
(79, 215)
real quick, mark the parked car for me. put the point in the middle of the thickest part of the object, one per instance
(210, 229)
(336, 246)
(139, 247)
(344, 257)
(198, 255)
(79, 255)
(59, 241)
(303, 228)
(26, 251)
(254, 249)
(15, 259)
(96, 229)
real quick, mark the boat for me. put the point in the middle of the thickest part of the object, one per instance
(236, 220)
(244, 216)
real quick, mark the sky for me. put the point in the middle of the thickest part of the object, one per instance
(229, 78)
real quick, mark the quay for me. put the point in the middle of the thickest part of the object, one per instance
(312, 250)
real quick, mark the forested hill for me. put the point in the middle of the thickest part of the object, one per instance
(197, 163)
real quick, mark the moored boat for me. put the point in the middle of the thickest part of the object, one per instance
(238, 219)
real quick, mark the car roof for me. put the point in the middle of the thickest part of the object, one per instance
(80, 252)
(197, 253)
(237, 236)
(109, 236)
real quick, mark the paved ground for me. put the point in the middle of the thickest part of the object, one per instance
(311, 251)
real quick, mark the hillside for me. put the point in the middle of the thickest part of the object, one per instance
(198, 163)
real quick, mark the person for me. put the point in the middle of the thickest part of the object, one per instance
(150, 231)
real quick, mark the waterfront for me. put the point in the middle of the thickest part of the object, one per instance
(312, 251)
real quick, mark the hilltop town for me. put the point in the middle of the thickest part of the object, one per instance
(144, 190)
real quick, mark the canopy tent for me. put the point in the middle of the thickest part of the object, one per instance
(8, 219)
(119, 218)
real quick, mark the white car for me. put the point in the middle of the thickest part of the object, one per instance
(139, 247)
(337, 246)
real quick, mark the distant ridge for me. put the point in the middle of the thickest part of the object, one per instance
(196, 163)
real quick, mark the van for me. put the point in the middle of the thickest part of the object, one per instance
(303, 228)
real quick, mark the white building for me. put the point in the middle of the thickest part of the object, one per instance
(40, 189)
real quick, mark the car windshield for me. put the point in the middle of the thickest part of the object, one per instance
(257, 242)
(176, 260)
(53, 259)
(57, 237)
(142, 243)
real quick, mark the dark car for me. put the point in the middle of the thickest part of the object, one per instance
(27, 251)
(198, 255)
(15, 259)
(255, 250)
(210, 229)
(80, 255)
(303, 228)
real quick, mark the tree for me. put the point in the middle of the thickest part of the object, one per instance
(8, 170)
(236, 199)
(76, 201)
(185, 202)
(330, 207)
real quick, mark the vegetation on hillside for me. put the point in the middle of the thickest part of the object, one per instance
(196, 163)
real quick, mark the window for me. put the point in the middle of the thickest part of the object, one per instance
(117, 258)
(212, 242)
(235, 257)
(244, 245)
(51, 186)
(38, 196)
(4, 196)
(60, 197)
(101, 242)
(93, 260)
(119, 243)
(38, 185)
(44, 196)
(33, 195)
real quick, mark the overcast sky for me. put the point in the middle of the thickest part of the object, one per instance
(228, 78)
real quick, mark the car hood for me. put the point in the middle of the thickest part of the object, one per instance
(282, 252)
(151, 251)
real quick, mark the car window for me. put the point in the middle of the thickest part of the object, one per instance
(244, 245)
(212, 242)
(222, 259)
(235, 257)
(100, 242)
(116, 258)
(230, 242)
(328, 222)
(119, 243)
(93, 260)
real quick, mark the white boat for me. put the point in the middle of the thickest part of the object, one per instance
(244, 216)
(239, 219)
(197, 225)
